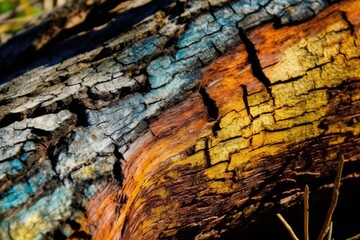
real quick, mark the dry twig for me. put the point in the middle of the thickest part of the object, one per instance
(306, 213)
(287, 226)
(334, 200)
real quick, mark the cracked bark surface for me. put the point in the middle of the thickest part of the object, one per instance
(174, 119)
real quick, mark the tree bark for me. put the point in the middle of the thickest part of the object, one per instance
(176, 119)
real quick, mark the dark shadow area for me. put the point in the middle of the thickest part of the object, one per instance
(19, 56)
(346, 217)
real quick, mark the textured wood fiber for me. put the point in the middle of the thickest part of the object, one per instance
(294, 133)
(188, 124)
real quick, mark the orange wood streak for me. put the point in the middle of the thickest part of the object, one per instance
(98, 210)
(177, 134)
(175, 118)
(224, 76)
(179, 128)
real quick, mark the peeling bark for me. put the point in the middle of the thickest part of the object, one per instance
(175, 119)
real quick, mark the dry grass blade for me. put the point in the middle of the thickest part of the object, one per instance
(306, 213)
(334, 200)
(330, 231)
(287, 226)
(356, 237)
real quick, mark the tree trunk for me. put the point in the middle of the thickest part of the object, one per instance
(178, 119)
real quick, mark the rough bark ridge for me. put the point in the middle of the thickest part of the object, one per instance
(187, 120)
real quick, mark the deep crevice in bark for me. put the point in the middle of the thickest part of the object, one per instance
(118, 176)
(254, 61)
(351, 26)
(213, 111)
(207, 154)
(77, 107)
(10, 118)
(117, 168)
(245, 99)
(216, 128)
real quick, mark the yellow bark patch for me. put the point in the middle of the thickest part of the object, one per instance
(317, 64)
(218, 171)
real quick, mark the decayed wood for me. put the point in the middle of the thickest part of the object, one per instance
(189, 122)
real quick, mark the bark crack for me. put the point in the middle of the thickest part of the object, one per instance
(245, 96)
(207, 154)
(255, 62)
(117, 170)
(351, 26)
(78, 108)
(213, 111)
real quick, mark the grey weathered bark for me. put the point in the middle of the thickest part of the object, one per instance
(174, 119)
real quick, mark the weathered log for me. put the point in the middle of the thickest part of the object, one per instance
(188, 120)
